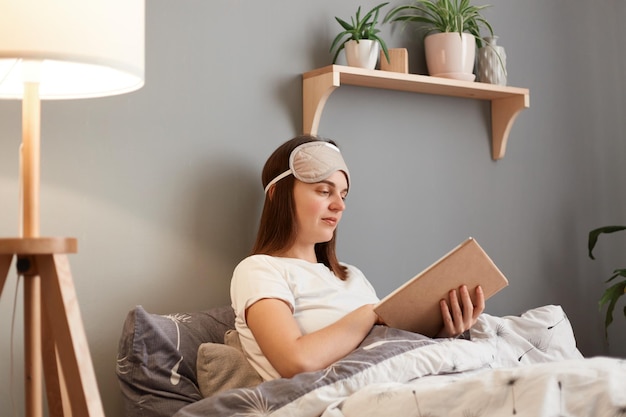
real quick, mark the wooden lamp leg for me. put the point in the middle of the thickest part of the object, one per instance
(30, 174)
(32, 346)
(60, 346)
(64, 316)
(58, 404)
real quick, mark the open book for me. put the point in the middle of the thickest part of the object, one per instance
(414, 306)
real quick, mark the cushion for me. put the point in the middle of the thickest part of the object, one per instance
(221, 367)
(156, 364)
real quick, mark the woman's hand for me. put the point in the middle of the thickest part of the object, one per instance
(462, 314)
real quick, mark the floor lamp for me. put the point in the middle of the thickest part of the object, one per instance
(61, 49)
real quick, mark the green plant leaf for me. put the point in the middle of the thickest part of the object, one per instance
(338, 39)
(595, 233)
(617, 273)
(347, 26)
(383, 46)
(612, 294)
(341, 47)
(610, 297)
(443, 16)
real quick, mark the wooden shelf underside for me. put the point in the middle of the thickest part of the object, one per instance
(506, 102)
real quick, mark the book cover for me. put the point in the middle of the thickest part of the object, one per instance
(414, 306)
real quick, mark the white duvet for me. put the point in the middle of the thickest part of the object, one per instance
(583, 387)
(530, 376)
(524, 365)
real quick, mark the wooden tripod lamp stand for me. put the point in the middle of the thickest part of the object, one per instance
(61, 49)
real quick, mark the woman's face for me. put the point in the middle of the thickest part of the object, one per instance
(319, 207)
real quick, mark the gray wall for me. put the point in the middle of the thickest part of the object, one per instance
(162, 188)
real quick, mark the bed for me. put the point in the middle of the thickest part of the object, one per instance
(190, 365)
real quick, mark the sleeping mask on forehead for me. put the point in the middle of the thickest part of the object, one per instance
(313, 162)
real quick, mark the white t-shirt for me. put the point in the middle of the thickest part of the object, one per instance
(317, 297)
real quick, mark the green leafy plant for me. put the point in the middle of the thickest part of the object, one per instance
(360, 28)
(443, 16)
(614, 292)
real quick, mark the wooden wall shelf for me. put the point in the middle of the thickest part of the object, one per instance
(506, 102)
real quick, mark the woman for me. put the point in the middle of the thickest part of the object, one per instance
(297, 308)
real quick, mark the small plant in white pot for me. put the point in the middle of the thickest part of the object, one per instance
(360, 39)
(452, 34)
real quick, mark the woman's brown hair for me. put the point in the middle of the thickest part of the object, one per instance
(277, 228)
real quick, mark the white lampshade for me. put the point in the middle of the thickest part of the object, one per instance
(73, 48)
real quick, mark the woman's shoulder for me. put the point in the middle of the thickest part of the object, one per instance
(275, 261)
(255, 261)
(256, 268)
(276, 264)
(261, 262)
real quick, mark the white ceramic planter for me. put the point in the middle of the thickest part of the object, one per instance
(363, 54)
(449, 55)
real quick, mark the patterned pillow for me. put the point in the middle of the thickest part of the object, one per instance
(156, 364)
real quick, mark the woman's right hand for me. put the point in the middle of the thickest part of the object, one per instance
(462, 314)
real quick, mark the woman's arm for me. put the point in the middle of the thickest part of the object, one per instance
(290, 352)
(461, 315)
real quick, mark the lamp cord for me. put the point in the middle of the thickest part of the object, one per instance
(11, 349)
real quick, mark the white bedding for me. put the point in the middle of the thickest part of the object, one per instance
(524, 365)
(582, 387)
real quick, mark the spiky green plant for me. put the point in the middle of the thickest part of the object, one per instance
(360, 28)
(443, 16)
(614, 292)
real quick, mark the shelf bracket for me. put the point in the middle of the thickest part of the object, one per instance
(503, 114)
(315, 92)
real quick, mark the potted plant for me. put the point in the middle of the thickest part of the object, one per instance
(360, 39)
(452, 33)
(614, 292)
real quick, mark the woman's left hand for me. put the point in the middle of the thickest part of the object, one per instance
(462, 314)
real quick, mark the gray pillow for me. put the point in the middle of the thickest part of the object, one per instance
(156, 363)
(221, 367)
